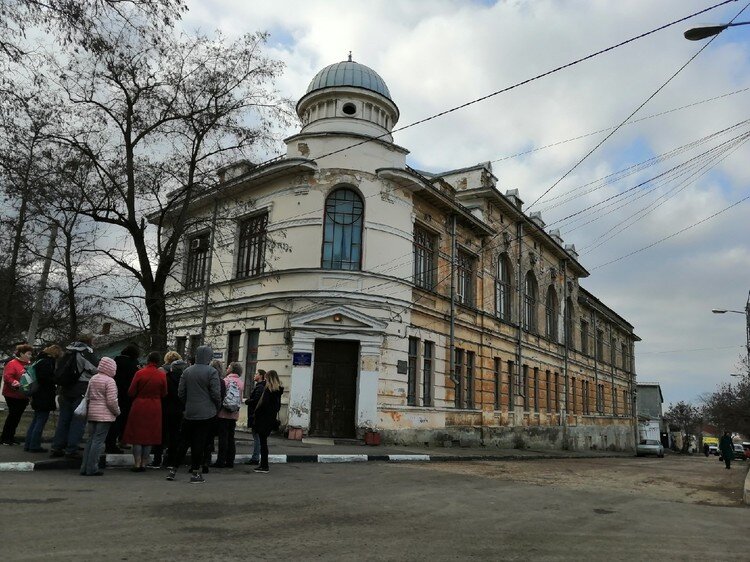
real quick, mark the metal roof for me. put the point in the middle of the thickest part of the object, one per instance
(352, 74)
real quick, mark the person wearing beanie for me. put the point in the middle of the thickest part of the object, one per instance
(101, 412)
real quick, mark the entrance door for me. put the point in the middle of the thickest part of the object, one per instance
(334, 389)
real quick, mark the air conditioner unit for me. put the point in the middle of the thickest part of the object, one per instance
(199, 243)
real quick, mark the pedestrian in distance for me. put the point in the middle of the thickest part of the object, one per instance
(726, 448)
(705, 449)
(14, 398)
(127, 366)
(101, 411)
(72, 374)
(43, 400)
(171, 412)
(200, 391)
(228, 415)
(143, 428)
(266, 416)
(259, 380)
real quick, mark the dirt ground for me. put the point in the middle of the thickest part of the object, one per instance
(695, 479)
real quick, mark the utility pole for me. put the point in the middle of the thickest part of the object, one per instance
(39, 299)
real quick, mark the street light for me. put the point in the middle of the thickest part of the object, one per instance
(746, 313)
(706, 31)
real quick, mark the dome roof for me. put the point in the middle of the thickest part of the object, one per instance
(349, 73)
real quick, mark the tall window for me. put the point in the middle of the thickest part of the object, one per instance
(625, 402)
(525, 388)
(548, 405)
(557, 392)
(195, 341)
(624, 357)
(502, 288)
(612, 351)
(496, 377)
(551, 313)
(251, 253)
(458, 375)
(180, 343)
(615, 405)
(465, 284)
(469, 379)
(251, 359)
(529, 302)
(575, 397)
(584, 337)
(425, 258)
(600, 345)
(233, 347)
(586, 392)
(536, 389)
(342, 230)
(197, 261)
(511, 386)
(569, 322)
(411, 384)
(428, 369)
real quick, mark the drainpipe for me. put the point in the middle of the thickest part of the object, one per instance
(519, 332)
(453, 377)
(568, 336)
(208, 272)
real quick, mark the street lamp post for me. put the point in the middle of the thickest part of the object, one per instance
(746, 312)
(706, 31)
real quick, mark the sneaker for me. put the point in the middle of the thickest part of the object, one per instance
(172, 474)
(252, 461)
(197, 478)
(261, 470)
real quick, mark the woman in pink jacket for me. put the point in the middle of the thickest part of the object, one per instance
(227, 419)
(102, 411)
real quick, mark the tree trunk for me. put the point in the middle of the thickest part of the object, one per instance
(10, 289)
(157, 315)
(72, 312)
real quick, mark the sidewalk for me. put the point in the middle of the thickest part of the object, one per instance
(314, 450)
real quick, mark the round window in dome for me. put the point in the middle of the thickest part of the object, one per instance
(349, 108)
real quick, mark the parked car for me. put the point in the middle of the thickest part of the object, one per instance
(649, 447)
(739, 452)
(713, 449)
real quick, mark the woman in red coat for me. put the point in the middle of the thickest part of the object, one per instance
(143, 428)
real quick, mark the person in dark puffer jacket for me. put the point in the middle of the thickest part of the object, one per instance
(43, 400)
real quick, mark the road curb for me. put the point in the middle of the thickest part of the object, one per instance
(126, 461)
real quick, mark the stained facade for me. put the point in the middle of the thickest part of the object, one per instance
(426, 306)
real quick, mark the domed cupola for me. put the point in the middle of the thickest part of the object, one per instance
(348, 97)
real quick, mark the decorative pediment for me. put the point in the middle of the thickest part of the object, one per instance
(339, 318)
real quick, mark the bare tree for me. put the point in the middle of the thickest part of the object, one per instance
(729, 406)
(687, 418)
(150, 119)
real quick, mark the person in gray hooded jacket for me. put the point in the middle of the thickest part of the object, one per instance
(200, 391)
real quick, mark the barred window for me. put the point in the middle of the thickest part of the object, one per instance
(529, 302)
(427, 371)
(197, 261)
(502, 288)
(411, 383)
(465, 288)
(342, 230)
(425, 258)
(251, 254)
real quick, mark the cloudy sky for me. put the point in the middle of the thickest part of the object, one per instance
(652, 178)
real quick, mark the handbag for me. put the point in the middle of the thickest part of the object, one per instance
(81, 410)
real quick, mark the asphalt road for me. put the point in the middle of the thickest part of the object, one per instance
(375, 511)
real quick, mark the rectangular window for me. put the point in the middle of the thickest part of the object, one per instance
(536, 389)
(251, 359)
(548, 387)
(586, 390)
(624, 356)
(625, 402)
(195, 342)
(427, 372)
(612, 351)
(458, 374)
(584, 337)
(511, 387)
(411, 383)
(496, 375)
(465, 281)
(233, 347)
(575, 398)
(180, 343)
(557, 392)
(600, 345)
(600, 398)
(251, 253)
(425, 258)
(197, 261)
(469, 379)
(525, 386)
(615, 405)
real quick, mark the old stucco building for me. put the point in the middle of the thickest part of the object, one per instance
(355, 276)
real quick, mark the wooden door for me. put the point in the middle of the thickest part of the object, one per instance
(334, 392)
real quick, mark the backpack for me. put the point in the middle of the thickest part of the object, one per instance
(28, 381)
(66, 372)
(232, 399)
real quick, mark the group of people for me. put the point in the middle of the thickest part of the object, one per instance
(164, 407)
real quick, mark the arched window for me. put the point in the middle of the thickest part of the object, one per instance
(342, 230)
(529, 302)
(502, 288)
(551, 309)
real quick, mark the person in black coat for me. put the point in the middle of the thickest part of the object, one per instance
(171, 413)
(265, 419)
(43, 400)
(127, 366)
(259, 381)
